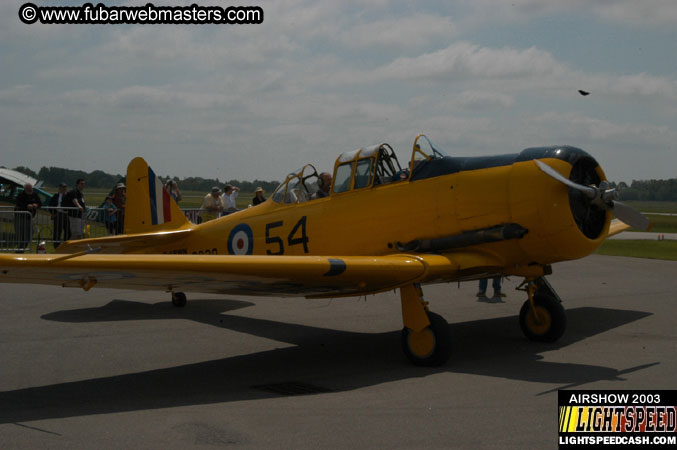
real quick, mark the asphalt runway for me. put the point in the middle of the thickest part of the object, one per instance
(121, 369)
(644, 236)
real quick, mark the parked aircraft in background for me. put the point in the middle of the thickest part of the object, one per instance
(12, 184)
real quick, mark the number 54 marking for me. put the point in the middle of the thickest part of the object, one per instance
(292, 239)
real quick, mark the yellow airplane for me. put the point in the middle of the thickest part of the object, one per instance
(382, 227)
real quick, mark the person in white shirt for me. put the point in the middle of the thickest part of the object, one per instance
(229, 196)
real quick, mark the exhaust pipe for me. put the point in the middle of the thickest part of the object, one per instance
(475, 237)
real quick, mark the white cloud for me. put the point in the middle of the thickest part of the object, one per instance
(146, 97)
(644, 13)
(399, 33)
(644, 84)
(464, 60)
(604, 130)
(479, 100)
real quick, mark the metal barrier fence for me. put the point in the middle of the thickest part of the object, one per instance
(16, 230)
(21, 232)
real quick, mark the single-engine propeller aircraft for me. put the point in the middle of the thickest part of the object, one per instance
(382, 227)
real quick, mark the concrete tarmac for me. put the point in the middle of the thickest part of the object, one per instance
(111, 369)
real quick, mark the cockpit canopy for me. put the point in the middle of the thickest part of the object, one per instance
(365, 166)
(358, 169)
(298, 187)
(378, 165)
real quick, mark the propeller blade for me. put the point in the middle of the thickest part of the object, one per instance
(625, 213)
(631, 216)
(588, 191)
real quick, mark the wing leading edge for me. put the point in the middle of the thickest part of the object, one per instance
(309, 276)
(228, 274)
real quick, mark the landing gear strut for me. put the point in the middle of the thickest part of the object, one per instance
(179, 299)
(542, 317)
(426, 340)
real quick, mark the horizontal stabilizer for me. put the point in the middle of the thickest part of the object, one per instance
(125, 243)
(617, 226)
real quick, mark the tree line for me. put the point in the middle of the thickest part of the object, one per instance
(648, 190)
(52, 176)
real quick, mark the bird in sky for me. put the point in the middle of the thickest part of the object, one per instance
(583, 93)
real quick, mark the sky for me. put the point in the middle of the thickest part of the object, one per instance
(315, 79)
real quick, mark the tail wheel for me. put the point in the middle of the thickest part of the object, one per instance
(179, 299)
(549, 321)
(431, 346)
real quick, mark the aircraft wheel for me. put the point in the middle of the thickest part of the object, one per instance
(431, 346)
(550, 323)
(179, 299)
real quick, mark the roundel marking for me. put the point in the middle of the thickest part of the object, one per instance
(241, 240)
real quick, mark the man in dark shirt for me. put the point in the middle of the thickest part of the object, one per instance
(26, 201)
(60, 224)
(75, 199)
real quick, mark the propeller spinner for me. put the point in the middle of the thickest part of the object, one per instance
(602, 197)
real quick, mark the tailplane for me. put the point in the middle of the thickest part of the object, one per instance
(149, 208)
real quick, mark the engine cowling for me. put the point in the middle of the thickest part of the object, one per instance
(562, 223)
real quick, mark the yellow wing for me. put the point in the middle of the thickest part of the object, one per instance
(309, 276)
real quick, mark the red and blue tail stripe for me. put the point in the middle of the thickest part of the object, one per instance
(160, 209)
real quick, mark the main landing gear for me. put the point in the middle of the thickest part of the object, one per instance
(542, 317)
(426, 340)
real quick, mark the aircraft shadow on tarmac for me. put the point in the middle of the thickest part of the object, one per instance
(333, 359)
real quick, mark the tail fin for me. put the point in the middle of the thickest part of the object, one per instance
(149, 208)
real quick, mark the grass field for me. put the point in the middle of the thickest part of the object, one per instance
(640, 249)
(655, 207)
(661, 224)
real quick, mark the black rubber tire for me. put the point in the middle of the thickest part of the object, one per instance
(179, 299)
(556, 319)
(441, 350)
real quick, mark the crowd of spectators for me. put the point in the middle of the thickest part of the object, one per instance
(69, 212)
(218, 203)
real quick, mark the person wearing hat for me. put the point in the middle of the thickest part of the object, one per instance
(258, 196)
(60, 226)
(229, 196)
(173, 190)
(212, 205)
(119, 198)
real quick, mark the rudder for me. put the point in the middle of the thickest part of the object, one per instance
(149, 207)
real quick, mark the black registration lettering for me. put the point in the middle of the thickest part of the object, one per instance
(291, 240)
(274, 239)
(297, 236)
